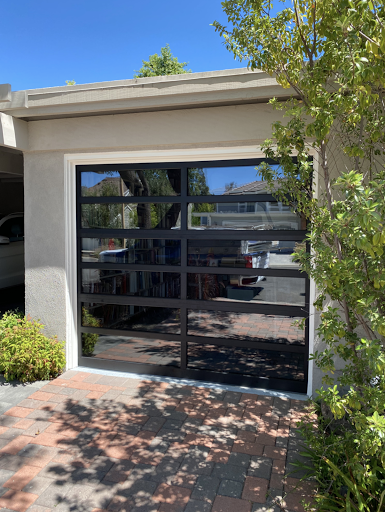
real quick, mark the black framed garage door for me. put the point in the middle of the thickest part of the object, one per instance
(186, 270)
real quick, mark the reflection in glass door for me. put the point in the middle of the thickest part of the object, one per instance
(187, 270)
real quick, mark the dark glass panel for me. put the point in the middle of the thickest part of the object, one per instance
(142, 252)
(131, 317)
(126, 282)
(243, 215)
(243, 253)
(259, 289)
(225, 181)
(131, 350)
(246, 361)
(245, 327)
(131, 183)
(131, 216)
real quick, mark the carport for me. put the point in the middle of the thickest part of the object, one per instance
(13, 140)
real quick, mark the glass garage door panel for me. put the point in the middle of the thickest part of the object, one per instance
(277, 254)
(289, 291)
(131, 349)
(125, 282)
(245, 327)
(131, 216)
(131, 317)
(228, 181)
(259, 216)
(131, 183)
(246, 361)
(134, 251)
(146, 305)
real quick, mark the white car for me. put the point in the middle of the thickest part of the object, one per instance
(11, 250)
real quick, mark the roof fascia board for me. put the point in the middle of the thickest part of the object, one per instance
(13, 132)
(250, 87)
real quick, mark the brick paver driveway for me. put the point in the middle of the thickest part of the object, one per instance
(88, 442)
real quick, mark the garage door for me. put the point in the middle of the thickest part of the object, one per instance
(186, 270)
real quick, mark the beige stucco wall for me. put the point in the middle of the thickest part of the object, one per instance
(44, 240)
(224, 125)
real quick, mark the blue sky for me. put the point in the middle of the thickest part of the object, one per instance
(47, 42)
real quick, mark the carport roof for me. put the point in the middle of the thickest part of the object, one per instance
(192, 90)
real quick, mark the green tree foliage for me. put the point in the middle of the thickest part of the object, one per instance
(163, 64)
(332, 54)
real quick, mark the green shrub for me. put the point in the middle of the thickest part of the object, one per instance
(89, 339)
(348, 446)
(25, 353)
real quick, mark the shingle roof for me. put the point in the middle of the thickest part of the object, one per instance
(254, 187)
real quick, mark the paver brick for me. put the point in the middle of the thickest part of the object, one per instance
(23, 424)
(37, 485)
(274, 452)
(239, 459)
(255, 489)
(17, 500)
(119, 471)
(205, 488)
(197, 506)
(17, 444)
(217, 455)
(154, 424)
(5, 474)
(182, 479)
(18, 412)
(144, 487)
(21, 478)
(248, 448)
(229, 472)
(230, 488)
(176, 498)
(260, 467)
(226, 504)
(54, 494)
(293, 502)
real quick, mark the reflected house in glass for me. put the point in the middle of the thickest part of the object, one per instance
(150, 235)
(259, 215)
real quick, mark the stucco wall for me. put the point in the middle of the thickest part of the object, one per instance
(44, 240)
(152, 129)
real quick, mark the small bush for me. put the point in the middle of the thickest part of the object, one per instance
(25, 353)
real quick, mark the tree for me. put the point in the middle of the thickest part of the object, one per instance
(332, 54)
(161, 65)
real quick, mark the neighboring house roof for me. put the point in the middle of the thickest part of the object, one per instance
(254, 187)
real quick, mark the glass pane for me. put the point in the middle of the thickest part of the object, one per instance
(131, 182)
(265, 215)
(131, 216)
(125, 282)
(259, 289)
(220, 181)
(130, 317)
(126, 250)
(245, 327)
(132, 350)
(246, 361)
(243, 253)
